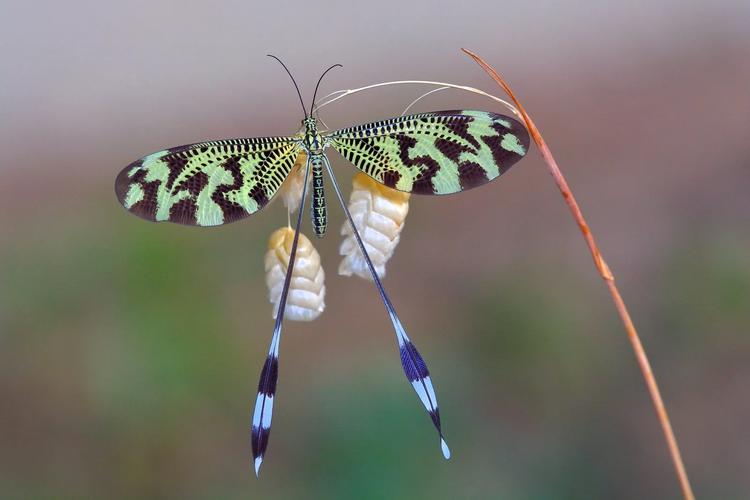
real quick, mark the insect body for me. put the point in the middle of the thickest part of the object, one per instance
(218, 182)
(318, 209)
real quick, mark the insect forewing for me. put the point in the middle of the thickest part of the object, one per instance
(441, 152)
(209, 183)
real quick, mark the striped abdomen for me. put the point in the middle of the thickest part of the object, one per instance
(318, 209)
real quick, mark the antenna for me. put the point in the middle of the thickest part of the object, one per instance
(312, 106)
(294, 82)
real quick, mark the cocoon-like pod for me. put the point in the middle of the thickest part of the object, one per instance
(378, 213)
(306, 299)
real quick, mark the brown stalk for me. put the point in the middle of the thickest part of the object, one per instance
(609, 279)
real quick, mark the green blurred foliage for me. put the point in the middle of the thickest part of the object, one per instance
(127, 372)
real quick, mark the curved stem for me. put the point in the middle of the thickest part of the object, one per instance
(415, 101)
(606, 274)
(345, 93)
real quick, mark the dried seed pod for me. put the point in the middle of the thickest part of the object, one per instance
(379, 213)
(291, 190)
(307, 290)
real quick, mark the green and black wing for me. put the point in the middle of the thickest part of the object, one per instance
(209, 183)
(440, 152)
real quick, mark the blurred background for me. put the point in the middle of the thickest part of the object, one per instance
(129, 351)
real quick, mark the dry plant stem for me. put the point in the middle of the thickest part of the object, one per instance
(606, 274)
(340, 94)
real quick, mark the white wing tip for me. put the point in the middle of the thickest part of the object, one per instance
(446, 450)
(258, 462)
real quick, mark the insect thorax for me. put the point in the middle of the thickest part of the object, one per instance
(312, 141)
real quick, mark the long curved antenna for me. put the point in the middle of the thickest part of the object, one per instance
(414, 366)
(294, 82)
(318, 85)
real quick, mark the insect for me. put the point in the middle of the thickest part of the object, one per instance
(218, 182)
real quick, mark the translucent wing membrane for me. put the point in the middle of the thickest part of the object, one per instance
(209, 183)
(263, 413)
(441, 152)
(412, 363)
